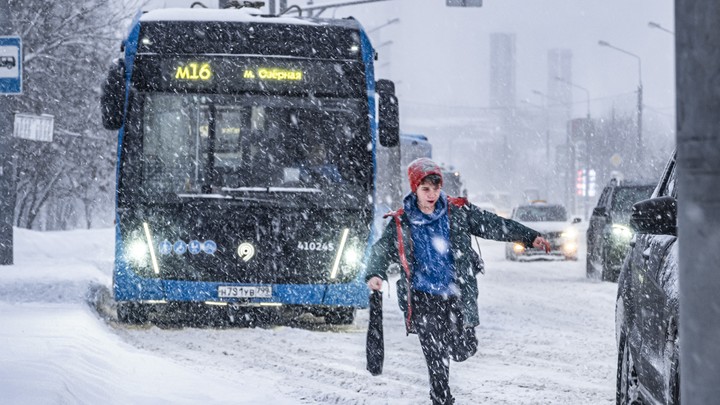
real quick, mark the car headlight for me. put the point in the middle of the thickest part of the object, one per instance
(569, 233)
(621, 232)
(570, 247)
(518, 248)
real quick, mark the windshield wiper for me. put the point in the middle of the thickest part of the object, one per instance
(302, 195)
(226, 197)
(273, 189)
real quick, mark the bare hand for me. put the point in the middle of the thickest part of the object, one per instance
(375, 283)
(541, 243)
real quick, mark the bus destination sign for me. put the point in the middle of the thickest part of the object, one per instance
(228, 75)
(202, 71)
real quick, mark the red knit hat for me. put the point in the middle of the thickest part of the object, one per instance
(420, 168)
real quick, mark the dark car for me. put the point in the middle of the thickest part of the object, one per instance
(646, 312)
(551, 220)
(609, 233)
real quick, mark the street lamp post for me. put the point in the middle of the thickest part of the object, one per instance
(587, 92)
(547, 125)
(652, 24)
(569, 156)
(586, 197)
(639, 152)
(547, 140)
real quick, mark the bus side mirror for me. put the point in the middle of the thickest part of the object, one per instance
(112, 100)
(389, 113)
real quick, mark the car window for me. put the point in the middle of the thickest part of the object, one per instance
(602, 201)
(625, 197)
(672, 183)
(553, 213)
(668, 186)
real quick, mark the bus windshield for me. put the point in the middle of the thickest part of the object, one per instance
(230, 144)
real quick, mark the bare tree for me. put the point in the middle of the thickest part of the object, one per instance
(67, 47)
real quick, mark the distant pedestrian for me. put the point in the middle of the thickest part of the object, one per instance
(430, 238)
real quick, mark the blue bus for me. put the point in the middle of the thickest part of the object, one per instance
(246, 162)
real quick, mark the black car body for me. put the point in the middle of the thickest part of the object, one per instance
(646, 312)
(609, 233)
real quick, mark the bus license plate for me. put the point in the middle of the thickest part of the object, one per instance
(264, 291)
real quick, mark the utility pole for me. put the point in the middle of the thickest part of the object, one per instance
(546, 117)
(640, 148)
(7, 169)
(639, 152)
(589, 130)
(697, 38)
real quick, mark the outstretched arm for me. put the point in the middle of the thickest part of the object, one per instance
(541, 243)
(490, 226)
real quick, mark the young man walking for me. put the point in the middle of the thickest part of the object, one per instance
(430, 238)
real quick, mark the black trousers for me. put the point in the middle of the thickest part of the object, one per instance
(434, 318)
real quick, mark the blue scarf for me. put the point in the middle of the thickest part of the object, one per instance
(433, 269)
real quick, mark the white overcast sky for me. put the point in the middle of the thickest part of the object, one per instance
(440, 54)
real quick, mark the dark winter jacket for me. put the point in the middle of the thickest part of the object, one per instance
(434, 267)
(466, 220)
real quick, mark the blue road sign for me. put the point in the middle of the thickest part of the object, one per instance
(10, 65)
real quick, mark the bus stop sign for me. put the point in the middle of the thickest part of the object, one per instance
(10, 65)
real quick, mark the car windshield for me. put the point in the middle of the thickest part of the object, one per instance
(541, 213)
(625, 197)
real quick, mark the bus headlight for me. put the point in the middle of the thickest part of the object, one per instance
(352, 255)
(137, 253)
(348, 257)
(140, 251)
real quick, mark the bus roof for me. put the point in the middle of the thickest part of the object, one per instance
(238, 15)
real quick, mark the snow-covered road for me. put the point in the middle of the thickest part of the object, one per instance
(546, 337)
